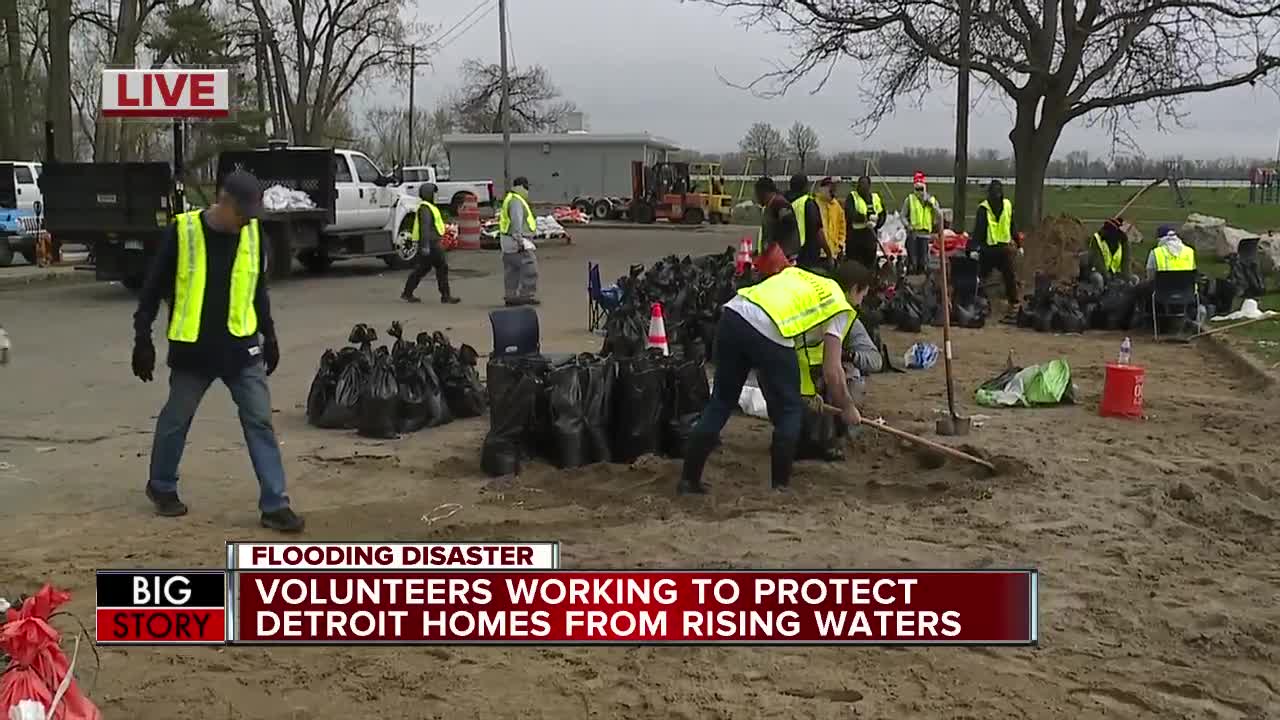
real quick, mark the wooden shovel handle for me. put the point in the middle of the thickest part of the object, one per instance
(915, 439)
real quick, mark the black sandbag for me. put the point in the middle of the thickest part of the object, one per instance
(463, 390)
(512, 389)
(817, 435)
(414, 409)
(1067, 316)
(689, 394)
(401, 346)
(345, 411)
(600, 375)
(437, 410)
(380, 399)
(323, 385)
(640, 407)
(567, 410)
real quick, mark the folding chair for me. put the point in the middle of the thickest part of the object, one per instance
(515, 331)
(600, 300)
(964, 280)
(1174, 292)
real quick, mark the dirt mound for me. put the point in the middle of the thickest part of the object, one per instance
(1054, 248)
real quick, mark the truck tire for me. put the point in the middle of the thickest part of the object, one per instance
(693, 216)
(582, 205)
(133, 283)
(6, 252)
(279, 257)
(315, 260)
(408, 252)
(602, 210)
(642, 212)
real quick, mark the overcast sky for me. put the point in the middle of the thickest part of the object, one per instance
(651, 65)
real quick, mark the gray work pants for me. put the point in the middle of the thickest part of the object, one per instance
(520, 275)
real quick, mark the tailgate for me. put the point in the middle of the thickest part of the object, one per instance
(106, 197)
(310, 170)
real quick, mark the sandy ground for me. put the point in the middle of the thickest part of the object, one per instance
(1157, 540)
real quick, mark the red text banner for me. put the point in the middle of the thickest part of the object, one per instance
(763, 607)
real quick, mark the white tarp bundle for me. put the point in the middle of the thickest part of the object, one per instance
(279, 197)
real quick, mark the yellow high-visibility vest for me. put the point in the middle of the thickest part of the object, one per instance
(921, 214)
(504, 215)
(877, 209)
(797, 206)
(1109, 261)
(809, 357)
(188, 287)
(797, 300)
(1165, 260)
(436, 219)
(999, 232)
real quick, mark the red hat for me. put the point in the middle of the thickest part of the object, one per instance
(918, 179)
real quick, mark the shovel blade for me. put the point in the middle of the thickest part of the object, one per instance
(952, 426)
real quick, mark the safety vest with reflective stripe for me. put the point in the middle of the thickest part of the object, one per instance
(877, 209)
(504, 215)
(1165, 260)
(921, 215)
(797, 206)
(1110, 262)
(436, 219)
(797, 300)
(809, 357)
(188, 288)
(999, 232)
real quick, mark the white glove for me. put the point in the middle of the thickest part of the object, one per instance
(973, 254)
(1021, 252)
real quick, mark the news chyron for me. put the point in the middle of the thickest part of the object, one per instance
(161, 607)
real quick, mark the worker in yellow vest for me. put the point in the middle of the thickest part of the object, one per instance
(759, 330)
(516, 228)
(993, 237)
(812, 252)
(211, 267)
(864, 211)
(924, 220)
(428, 236)
(1170, 253)
(1107, 254)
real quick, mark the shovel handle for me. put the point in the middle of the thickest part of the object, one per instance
(915, 439)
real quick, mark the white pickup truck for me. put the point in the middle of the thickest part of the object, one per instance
(449, 193)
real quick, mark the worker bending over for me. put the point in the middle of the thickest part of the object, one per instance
(1170, 253)
(209, 267)
(516, 226)
(833, 220)
(992, 239)
(813, 253)
(924, 219)
(777, 220)
(760, 329)
(865, 212)
(428, 226)
(862, 357)
(1108, 252)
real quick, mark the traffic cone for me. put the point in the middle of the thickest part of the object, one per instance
(658, 330)
(743, 258)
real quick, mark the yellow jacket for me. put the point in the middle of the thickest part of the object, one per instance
(833, 224)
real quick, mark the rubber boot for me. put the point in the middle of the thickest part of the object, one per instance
(782, 455)
(696, 452)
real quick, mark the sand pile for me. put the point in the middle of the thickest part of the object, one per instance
(1054, 248)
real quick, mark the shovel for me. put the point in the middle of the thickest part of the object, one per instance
(881, 426)
(952, 424)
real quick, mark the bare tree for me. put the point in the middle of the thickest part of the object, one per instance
(385, 133)
(802, 140)
(11, 86)
(764, 143)
(320, 50)
(1057, 61)
(58, 98)
(535, 102)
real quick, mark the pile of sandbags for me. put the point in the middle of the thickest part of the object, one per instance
(37, 667)
(691, 291)
(590, 408)
(384, 392)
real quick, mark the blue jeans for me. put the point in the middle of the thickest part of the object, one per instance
(249, 391)
(739, 349)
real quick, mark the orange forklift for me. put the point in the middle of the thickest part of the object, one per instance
(664, 190)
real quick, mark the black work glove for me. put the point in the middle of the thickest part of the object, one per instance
(144, 359)
(271, 353)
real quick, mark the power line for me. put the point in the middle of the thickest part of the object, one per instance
(444, 35)
(464, 30)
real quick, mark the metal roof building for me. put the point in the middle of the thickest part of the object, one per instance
(560, 166)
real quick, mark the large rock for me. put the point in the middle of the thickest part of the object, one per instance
(1268, 251)
(1204, 233)
(1230, 240)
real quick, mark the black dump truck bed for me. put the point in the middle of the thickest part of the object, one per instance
(132, 198)
(310, 170)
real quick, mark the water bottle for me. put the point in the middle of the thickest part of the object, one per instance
(1126, 351)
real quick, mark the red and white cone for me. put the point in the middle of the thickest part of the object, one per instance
(658, 330)
(743, 258)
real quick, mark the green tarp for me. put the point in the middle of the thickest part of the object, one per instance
(1047, 384)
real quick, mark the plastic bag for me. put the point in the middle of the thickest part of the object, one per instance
(921, 356)
(513, 389)
(37, 665)
(380, 399)
(638, 412)
(689, 394)
(600, 376)
(817, 435)
(567, 411)
(22, 682)
(413, 409)
(345, 410)
(323, 387)
(463, 390)
(772, 261)
(401, 346)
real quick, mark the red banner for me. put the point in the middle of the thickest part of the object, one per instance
(836, 607)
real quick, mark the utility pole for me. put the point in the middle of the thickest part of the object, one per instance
(504, 110)
(962, 121)
(413, 68)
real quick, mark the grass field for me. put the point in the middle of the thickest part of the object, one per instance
(1096, 203)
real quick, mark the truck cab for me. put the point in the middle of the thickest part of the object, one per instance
(450, 194)
(26, 179)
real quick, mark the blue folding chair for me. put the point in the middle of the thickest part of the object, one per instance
(600, 300)
(515, 331)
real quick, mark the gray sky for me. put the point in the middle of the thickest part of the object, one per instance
(651, 65)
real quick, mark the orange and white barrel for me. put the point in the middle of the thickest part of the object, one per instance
(469, 224)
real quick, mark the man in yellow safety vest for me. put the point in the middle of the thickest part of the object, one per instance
(864, 211)
(211, 267)
(993, 238)
(924, 218)
(1170, 253)
(812, 252)
(759, 330)
(428, 234)
(1107, 253)
(516, 228)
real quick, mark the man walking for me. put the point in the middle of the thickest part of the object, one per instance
(923, 220)
(515, 227)
(210, 267)
(428, 224)
(993, 237)
(865, 212)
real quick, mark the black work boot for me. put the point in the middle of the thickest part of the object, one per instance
(782, 455)
(696, 452)
(410, 298)
(283, 520)
(449, 300)
(166, 504)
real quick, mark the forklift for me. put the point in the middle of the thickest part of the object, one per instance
(719, 201)
(664, 191)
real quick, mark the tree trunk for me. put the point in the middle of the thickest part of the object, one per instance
(58, 101)
(1032, 149)
(15, 129)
